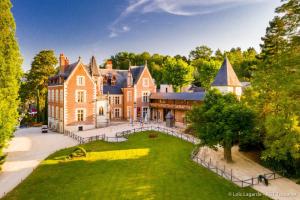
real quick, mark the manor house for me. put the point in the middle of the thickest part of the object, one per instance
(82, 97)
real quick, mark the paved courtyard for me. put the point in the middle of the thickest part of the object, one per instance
(26, 150)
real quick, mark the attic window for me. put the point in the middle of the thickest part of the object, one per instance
(105, 80)
(113, 80)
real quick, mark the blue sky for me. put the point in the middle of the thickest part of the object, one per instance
(105, 27)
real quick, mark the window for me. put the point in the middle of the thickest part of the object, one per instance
(80, 115)
(56, 112)
(52, 111)
(80, 80)
(80, 98)
(145, 82)
(145, 111)
(129, 96)
(109, 100)
(117, 100)
(61, 95)
(145, 97)
(61, 117)
(56, 95)
(117, 113)
(113, 80)
(101, 112)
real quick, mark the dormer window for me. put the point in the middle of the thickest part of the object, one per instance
(105, 80)
(113, 80)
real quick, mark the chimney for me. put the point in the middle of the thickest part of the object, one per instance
(62, 63)
(67, 62)
(108, 65)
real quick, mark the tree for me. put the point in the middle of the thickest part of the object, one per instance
(203, 52)
(206, 71)
(42, 67)
(276, 90)
(221, 120)
(10, 73)
(177, 73)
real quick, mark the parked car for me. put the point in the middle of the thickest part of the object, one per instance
(44, 129)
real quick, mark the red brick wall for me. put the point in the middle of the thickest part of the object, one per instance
(140, 88)
(71, 105)
(128, 103)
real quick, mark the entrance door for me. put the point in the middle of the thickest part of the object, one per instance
(166, 111)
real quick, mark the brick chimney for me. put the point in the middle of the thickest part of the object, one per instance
(62, 63)
(108, 65)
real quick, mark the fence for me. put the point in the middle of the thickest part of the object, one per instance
(228, 174)
(221, 171)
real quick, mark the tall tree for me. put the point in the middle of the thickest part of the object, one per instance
(206, 71)
(10, 73)
(221, 120)
(42, 67)
(177, 73)
(203, 52)
(276, 91)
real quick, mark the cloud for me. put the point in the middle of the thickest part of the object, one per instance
(172, 7)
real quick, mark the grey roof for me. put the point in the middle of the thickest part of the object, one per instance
(226, 76)
(93, 68)
(121, 77)
(192, 96)
(68, 70)
(136, 72)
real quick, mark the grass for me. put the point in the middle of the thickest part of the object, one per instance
(140, 168)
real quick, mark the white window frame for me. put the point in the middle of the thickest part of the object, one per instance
(83, 115)
(56, 112)
(147, 96)
(77, 97)
(56, 96)
(61, 114)
(145, 82)
(80, 80)
(52, 111)
(117, 100)
(61, 96)
(119, 112)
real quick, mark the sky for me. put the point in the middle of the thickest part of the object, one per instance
(104, 27)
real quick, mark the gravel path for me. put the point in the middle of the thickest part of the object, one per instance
(25, 151)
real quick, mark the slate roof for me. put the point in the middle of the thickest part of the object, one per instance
(121, 77)
(136, 72)
(66, 74)
(226, 76)
(192, 96)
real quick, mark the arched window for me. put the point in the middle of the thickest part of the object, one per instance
(101, 111)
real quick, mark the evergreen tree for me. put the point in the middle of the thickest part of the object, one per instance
(10, 73)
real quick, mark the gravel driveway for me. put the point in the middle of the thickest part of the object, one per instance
(25, 151)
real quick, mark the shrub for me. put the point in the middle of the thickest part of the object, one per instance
(78, 152)
(153, 135)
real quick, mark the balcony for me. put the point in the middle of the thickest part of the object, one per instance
(171, 106)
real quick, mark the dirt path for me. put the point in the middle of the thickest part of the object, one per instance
(25, 151)
(245, 168)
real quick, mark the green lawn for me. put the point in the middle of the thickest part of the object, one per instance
(140, 168)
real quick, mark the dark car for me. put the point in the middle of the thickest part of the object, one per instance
(44, 129)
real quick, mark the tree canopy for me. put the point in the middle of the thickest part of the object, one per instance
(221, 120)
(10, 73)
(177, 73)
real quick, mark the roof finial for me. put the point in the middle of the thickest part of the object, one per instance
(129, 63)
(146, 63)
(79, 58)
